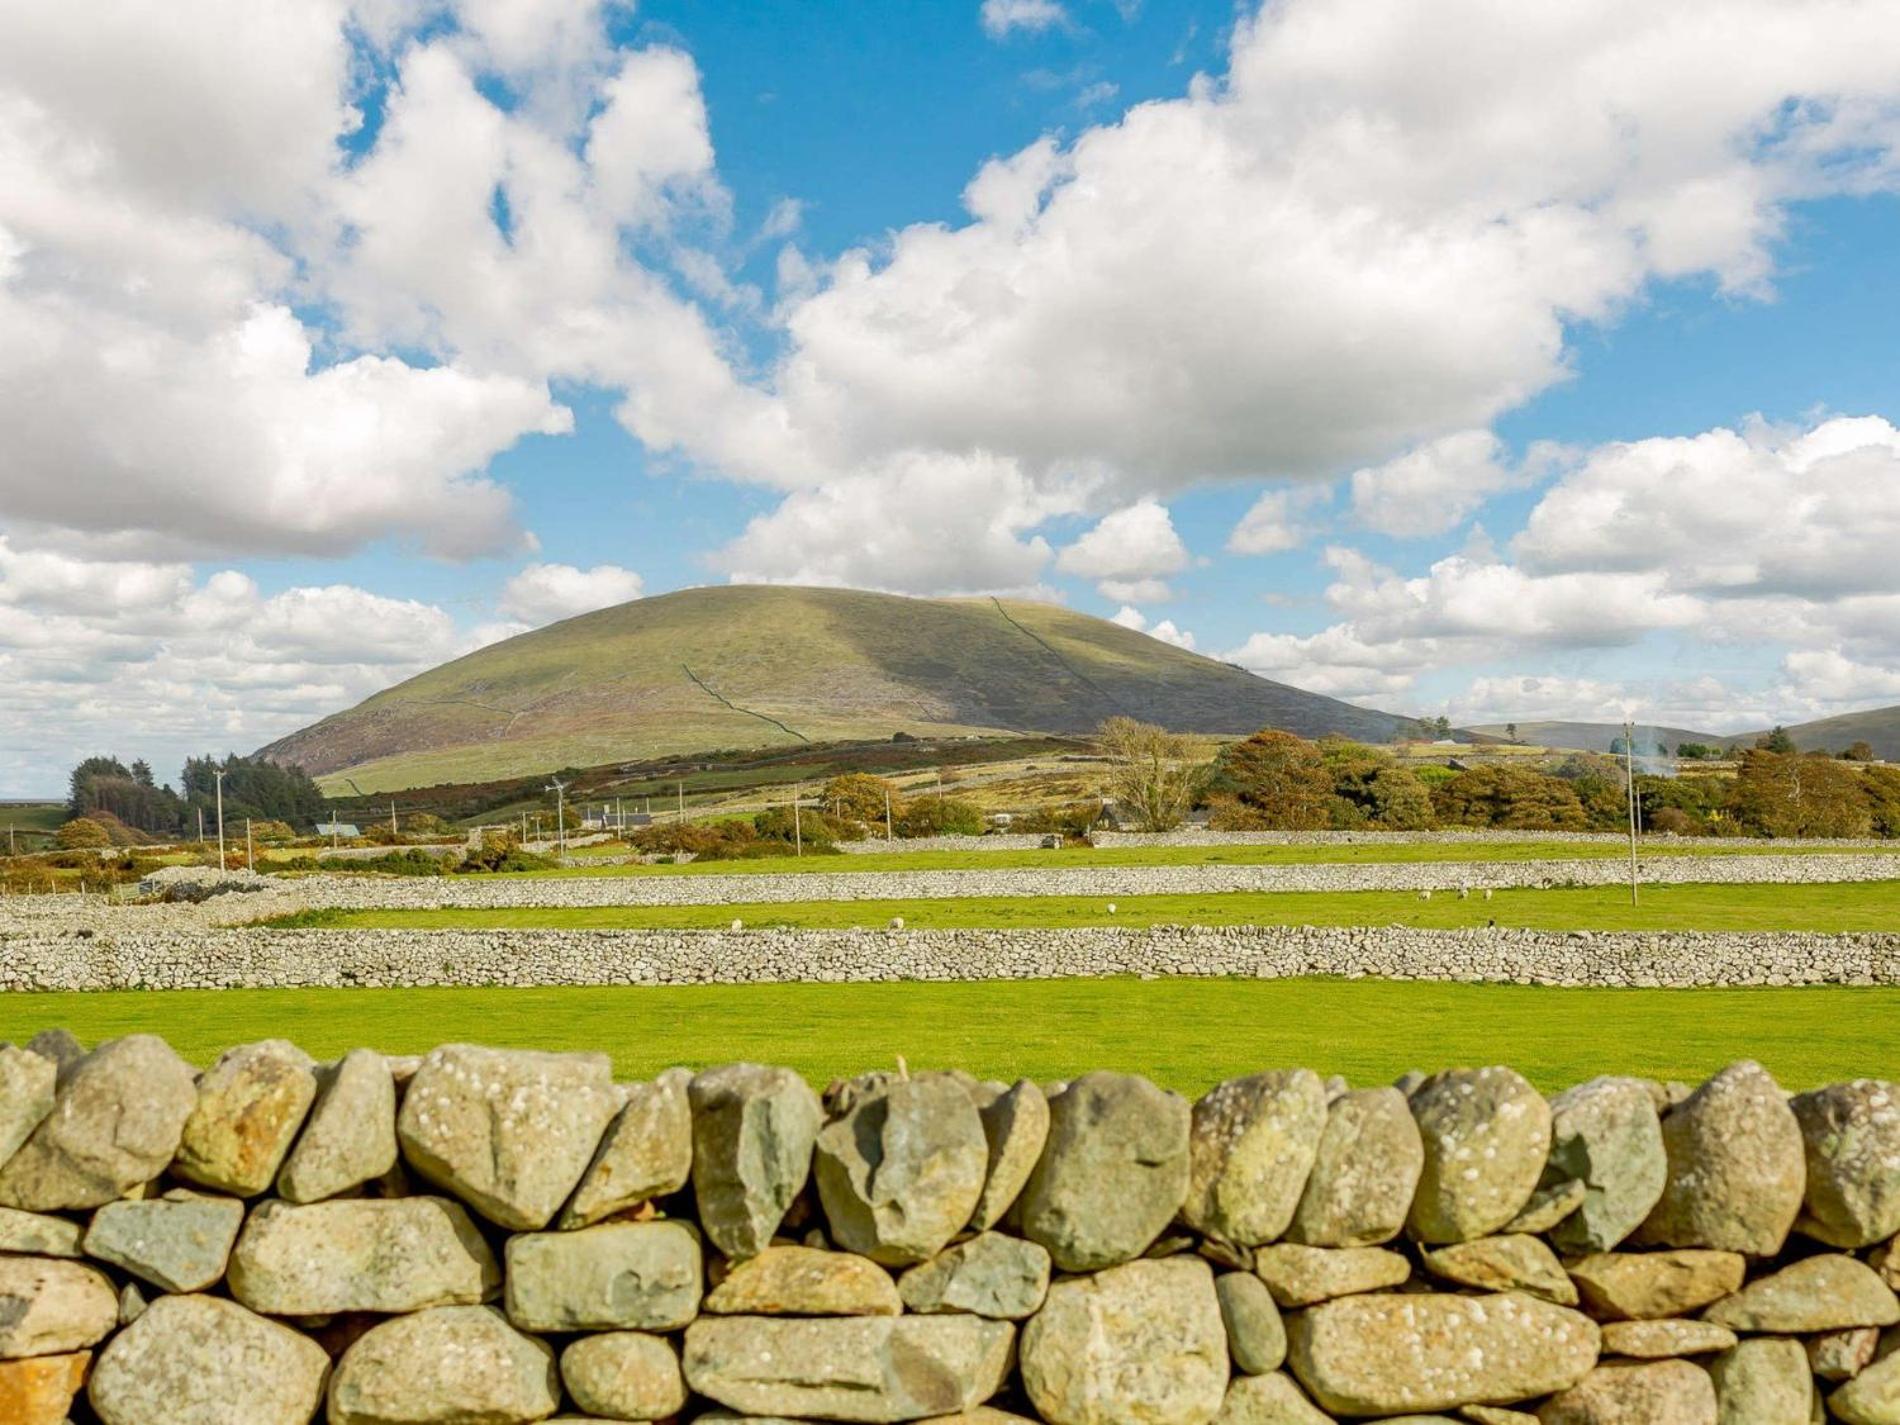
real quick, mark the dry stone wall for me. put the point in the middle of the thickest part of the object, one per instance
(500, 1237)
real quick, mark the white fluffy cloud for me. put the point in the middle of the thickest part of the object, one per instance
(1433, 488)
(1281, 519)
(545, 593)
(1000, 17)
(1130, 553)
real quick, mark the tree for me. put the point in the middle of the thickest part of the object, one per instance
(1281, 781)
(1697, 752)
(1441, 726)
(1777, 794)
(1776, 741)
(1371, 789)
(81, 834)
(939, 816)
(1152, 774)
(1520, 798)
(1859, 752)
(1881, 788)
(1510, 731)
(859, 797)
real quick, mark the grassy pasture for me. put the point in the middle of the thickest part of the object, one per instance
(1865, 906)
(1186, 1034)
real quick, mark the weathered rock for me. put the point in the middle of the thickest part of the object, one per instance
(40, 1391)
(250, 1105)
(1842, 1355)
(990, 1275)
(132, 1303)
(115, 1124)
(450, 1365)
(27, 1083)
(59, 1045)
(1652, 1393)
(753, 1131)
(1391, 1353)
(350, 1136)
(1607, 1135)
(901, 1167)
(1138, 1342)
(1659, 1340)
(1549, 1205)
(1638, 1286)
(1268, 1400)
(1256, 1336)
(856, 1368)
(641, 1276)
(1515, 1263)
(805, 1281)
(1252, 1143)
(1873, 1396)
(1763, 1382)
(1015, 1126)
(1824, 1293)
(625, 1375)
(179, 1242)
(1885, 1259)
(509, 1131)
(1113, 1173)
(201, 1360)
(1736, 1167)
(37, 1234)
(1851, 1136)
(370, 1254)
(50, 1307)
(1487, 1135)
(1300, 1276)
(1365, 1171)
(1495, 1415)
(646, 1153)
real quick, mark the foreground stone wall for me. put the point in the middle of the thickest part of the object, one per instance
(126, 952)
(490, 1237)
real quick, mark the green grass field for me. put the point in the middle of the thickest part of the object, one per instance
(1305, 854)
(1186, 1034)
(1832, 908)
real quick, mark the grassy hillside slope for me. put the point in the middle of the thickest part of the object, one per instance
(1597, 736)
(1879, 728)
(740, 666)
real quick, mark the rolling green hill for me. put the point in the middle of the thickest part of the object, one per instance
(1597, 736)
(742, 666)
(1879, 728)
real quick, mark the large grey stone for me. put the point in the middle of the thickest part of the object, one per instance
(1112, 1174)
(989, 1275)
(1365, 1171)
(38, 1234)
(1486, 1134)
(1251, 1145)
(115, 1124)
(1300, 1276)
(1642, 1286)
(1256, 1335)
(1392, 1353)
(1606, 1134)
(49, 1307)
(1015, 1126)
(1512, 1263)
(625, 1375)
(350, 1136)
(27, 1084)
(643, 1276)
(1138, 1342)
(1737, 1170)
(450, 1365)
(509, 1131)
(1851, 1137)
(1763, 1382)
(1826, 1293)
(805, 1281)
(754, 1127)
(250, 1105)
(179, 1242)
(201, 1360)
(1649, 1393)
(369, 1254)
(855, 1368)
(646, 1153)
(901, 1166)
(1268, 1400)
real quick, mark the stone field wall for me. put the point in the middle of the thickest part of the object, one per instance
(498, 1237)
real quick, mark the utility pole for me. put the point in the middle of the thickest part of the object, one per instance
(889, 836)
(393, 829)
(798, 832)
(559, 788)
(201, 826)
(1629, 779)
(220, 777)
(250, 848)
(681, 818)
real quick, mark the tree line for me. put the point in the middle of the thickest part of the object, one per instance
(117, 797)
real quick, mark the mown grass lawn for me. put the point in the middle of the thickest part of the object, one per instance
(1834, 908)
(1186, 1034)
(1304, 854)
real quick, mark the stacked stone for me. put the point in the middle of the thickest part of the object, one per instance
(489, 1237)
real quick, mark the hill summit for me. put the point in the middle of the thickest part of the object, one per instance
(740, 666)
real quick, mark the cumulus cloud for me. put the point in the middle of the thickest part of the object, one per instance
(1130, 617)
(1130, 553)
(1281, 519)
(545, 593)
(1000, 17)
(1433, 488)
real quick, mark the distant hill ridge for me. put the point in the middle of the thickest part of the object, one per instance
(740, 666)
(1879, 728)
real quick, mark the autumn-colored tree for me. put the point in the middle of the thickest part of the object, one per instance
(858, 796)
(1152, 772)
(1786, 794)
(1370, 788)
(1517, 798)
(1859, 752)
(82, 833)
(1281, 782)
(1880, 786)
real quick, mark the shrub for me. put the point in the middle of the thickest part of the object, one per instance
(1281, 779)
(396, 863)
(939, 816)
(1674, 821)
(502, 851)
(82, 833)
(1513, 798)
(859, 797)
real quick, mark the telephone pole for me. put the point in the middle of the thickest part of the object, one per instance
(220, 777)
(681, 818)
(889, 836)
(1629, 782)
(798, 831)
(559, 788)
(250, 848)
(393, 829)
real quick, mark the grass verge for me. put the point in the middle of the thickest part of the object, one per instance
(1832, 908)
(1186, 1034)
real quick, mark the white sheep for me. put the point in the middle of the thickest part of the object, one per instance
(1425, 895)
(897, 922)
(738, 925)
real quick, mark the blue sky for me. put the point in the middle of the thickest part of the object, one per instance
(1550, 378)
